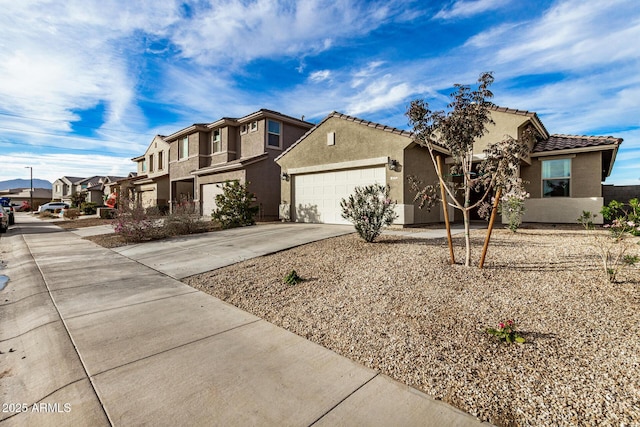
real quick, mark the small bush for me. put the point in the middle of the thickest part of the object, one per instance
(89, 208)
(235, 206)
(184, 220)
(586, 220)
(71, 214)
(506, 331)
(292, 278)
(369, 209)
(47, 214)
(133, 224)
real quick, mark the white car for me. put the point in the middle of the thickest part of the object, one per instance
(52, 206)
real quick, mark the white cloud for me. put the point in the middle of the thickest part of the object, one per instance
(318, 76)
(54, 166)
(468, 8)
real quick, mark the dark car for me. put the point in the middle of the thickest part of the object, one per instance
(6, 203)
(4, 219)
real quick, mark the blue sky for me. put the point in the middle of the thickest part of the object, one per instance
(86, 84)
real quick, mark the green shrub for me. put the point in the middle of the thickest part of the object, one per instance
(89, 208)
(506, 331)
(586, 220)
(369, 209)
(292, 278)
(235, 206)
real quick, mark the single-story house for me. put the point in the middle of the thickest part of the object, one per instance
(39, 196)
(564, 173)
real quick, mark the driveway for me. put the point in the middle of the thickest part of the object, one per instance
(185, 256)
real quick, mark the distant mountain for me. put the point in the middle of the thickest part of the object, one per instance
(24, 183)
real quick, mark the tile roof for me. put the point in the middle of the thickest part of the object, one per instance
(530, 114)
(570, 142)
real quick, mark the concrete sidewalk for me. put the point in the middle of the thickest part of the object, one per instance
(100, 339)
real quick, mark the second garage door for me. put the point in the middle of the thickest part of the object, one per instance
(208, 194)
(317, 196)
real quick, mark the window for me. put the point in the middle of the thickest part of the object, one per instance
(150, 162)
(556, 178)
(254, 126)
(183, 148)
(216, 141)
(244, 129)
(143, 165)
(273, 134)
(57, 188)
(160, 160)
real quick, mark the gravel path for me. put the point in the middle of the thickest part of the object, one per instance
(398, 307)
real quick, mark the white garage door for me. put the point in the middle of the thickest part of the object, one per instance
(317, 195)
(208, 196)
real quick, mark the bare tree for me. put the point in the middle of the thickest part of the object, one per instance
(456, 131)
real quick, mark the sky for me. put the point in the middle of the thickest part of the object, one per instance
(85, 85)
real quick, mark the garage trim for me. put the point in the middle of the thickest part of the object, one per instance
(353, 164)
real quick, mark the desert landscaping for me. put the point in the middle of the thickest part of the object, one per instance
(397, 306)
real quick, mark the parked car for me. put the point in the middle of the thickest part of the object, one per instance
(52, 206)
(4, 219)
(6, 202)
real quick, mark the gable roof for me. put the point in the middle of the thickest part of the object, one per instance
(532, 115)
(72, 179)
(350, 119)
(573, 142)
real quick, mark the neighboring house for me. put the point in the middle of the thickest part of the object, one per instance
(40, 196)
(65, 187)
(203, 156)
(152, 189)
(564, 173)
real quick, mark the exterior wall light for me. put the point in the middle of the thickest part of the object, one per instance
(284, 176)
(393, 164)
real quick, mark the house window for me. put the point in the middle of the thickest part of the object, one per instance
(183, 148)
(160, 160)
(273, 134)
(57, 188)
(253, 126)
(556, 178)
(143, 165)
(243, 129)
(216, 141)
(150, 162)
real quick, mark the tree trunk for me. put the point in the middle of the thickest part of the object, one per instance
(467, 237)
(494, 211)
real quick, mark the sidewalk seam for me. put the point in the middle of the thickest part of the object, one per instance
(30, 330)
(75, 347)
(179, 346)
(345, 398)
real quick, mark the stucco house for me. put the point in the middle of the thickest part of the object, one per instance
(65, 187)
(152, 186)
(564, 173)
(202, 156)
(95, 187)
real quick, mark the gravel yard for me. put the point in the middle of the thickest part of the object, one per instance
(398, 307)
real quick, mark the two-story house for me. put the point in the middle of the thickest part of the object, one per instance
(152, 183)
(203, 156)
(65, 187)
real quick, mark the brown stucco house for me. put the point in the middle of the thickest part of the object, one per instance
(203, 156)
(563, 173)
(94, 188)
(152, 184)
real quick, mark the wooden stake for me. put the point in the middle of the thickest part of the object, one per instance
(443, 195)
(491, 221)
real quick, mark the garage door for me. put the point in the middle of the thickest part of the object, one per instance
(208, 196)
(317, 196)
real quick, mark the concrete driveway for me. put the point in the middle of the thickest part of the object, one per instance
(185, 256)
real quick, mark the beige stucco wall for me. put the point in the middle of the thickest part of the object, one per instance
(586, 173)
(562, 210)
(157, 145)
(180, 169)
(504, 124)
(418, 163)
